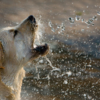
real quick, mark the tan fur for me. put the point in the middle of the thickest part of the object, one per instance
(1, 56)
(15, 51)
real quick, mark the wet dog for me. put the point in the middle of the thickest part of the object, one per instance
(16, 49)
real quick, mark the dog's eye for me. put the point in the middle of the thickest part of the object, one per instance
(15, 33)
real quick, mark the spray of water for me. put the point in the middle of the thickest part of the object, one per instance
(53, 68)
(39, 32)
(39, 39)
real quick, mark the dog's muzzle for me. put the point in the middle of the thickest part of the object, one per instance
(32, 19)
(42, 49)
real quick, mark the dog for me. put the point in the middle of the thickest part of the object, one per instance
(16, 50)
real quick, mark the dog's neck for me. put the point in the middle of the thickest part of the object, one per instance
(13, 75)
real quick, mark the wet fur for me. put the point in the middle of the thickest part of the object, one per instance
(16, 50)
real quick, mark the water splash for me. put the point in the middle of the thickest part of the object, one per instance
(61, 28)
(90, 21)
(95, 17)
(98, 13)
(40, 32)
(78, 18)
(69, 73)
(50, 24)
(82, 20)
(54, 98)
(53, 68)
(48, 77)
(38, 76)
(82, 30)
(71, 20)
(39, 36)
(65, 82)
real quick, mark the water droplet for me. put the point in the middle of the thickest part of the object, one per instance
(53, 98)
(89, 97)
(88, 65)
(38, 76)
(90, 21)
(41, 61)
(65, 82)
(77, 18)
(17, 23)
(66, 93)
(84, 95)
(50, 24)
(58, 32)
(98, 13)
(82, 20)
(82, 30)
(94, 17)
(69, 73)
(52, 29)
(93, 24)
(58, 27)
(87, 26)
(62, 27)
(71, 20)
(48, 77)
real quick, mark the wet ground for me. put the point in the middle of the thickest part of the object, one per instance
(72, 29)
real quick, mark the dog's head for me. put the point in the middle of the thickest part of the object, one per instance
(18, 42)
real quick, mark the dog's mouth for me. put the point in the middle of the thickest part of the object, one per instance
(41, 49)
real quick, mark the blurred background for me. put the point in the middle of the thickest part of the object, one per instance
(72, 29)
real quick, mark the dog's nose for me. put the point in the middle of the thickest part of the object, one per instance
(32, 19)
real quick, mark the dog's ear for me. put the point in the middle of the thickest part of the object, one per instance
(2, 56)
